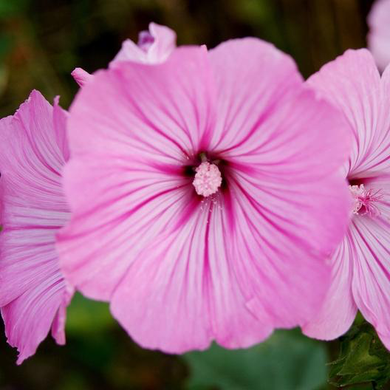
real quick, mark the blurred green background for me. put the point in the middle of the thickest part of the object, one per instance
(41, 42)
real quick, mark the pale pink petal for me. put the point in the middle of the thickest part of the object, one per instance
(371, 281)
(284, 140)
(385, 128)
(339, 309)
(163, 300)
(31, 286)
(189, 287)
(360, 274)
(164, 42)
(130, 156)
(81, 76)
(246, 98)
(352, 82)
(181, 270)
(29, 317)
(242, 283)
(60, 118)
(379, 35)
(58, 326)
(130, 51)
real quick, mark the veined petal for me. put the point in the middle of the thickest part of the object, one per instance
(161, 112)
(162, 300)
(360, 273)
(352, 82)
(339, 308)
(144, 123)
(371, 281)
(129, 211)
(285, 143)
(246, 97)
(188, 287)
(29, 317)
(228, 274)
(31, 286)
(180, 269)
(291, 230)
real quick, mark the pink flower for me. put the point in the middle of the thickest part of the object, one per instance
(379, 35)
(205, 195)
(33, 294)
(154, 46)
(361, 264)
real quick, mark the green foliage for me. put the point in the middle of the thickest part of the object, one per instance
(363, 359)
(9, 8)
(86, 316)
(287, 361)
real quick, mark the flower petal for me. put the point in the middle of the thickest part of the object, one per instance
(352, 82)
(162, 47)
(186, 289)
(360, 276)
(294, 237)
(162, 300)
(379, 35)
(31, 286)
(371, 281)
(254, 80)
(180, 270)
(339, 309)
(228, 274)
(129, 148)
(29, 317)
(285, 142)
(81, 76)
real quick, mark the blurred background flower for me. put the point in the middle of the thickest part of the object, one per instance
(41, 42)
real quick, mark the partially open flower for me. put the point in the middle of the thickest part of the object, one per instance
(154, 46)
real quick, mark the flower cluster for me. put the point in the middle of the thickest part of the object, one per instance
(207, 195)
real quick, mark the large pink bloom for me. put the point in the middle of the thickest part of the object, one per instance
(154, 46)
(361, 264)
(379, 35)
(204, 195)
(33, 295)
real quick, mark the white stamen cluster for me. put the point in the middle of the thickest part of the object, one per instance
(364, 200)
(207, 179)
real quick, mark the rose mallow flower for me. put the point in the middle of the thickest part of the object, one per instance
(154, 46)
(33, 293)
(361, 263)
(379, 35)
(205, 195)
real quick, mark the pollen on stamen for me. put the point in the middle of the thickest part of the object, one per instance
(365, 200)
(207, 179)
